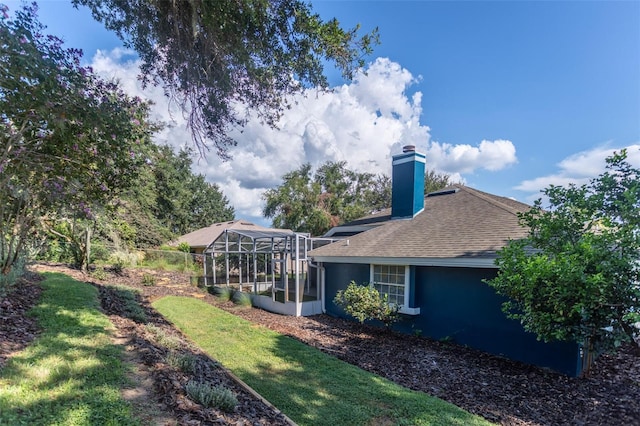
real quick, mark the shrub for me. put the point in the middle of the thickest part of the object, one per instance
(120, 259)
(9, 279)
(163, 339)
(183, 362)
(118, 267)
(171, 260)
(55, 250)
(241, 298)
(212, 396)
(99, 252)
(148, 280)
(127, 298)
(364, 302)
(184, 247)
(99, 273)
(222, 293)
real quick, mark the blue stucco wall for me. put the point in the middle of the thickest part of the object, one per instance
(337, 277)
(456, 305)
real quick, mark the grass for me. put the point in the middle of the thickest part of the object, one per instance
(310, 387)
(72, 373)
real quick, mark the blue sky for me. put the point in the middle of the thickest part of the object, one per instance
(556, 78)
(507, 96)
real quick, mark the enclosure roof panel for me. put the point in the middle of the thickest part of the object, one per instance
(255, 234)
(203, 237)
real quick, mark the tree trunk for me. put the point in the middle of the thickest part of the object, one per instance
(86, 251)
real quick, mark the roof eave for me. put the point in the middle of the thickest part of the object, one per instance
(457, 262)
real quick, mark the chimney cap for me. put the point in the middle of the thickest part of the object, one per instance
(409, 148)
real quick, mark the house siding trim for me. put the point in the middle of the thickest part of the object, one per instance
(420, 261)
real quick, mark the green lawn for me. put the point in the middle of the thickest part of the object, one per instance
(72, 373)
(310, 387)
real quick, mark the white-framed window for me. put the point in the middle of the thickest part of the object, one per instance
(392, 280)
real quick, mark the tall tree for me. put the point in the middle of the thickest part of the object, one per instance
(380, 197)
(132, 218)
(67, 138)
(167, 200)
(577, 275)
(211, 56)
(185, 201)
(296, 203)
(314, 202)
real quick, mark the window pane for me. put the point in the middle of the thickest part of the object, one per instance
(389, 280)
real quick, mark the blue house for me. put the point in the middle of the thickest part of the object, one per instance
(430, 255)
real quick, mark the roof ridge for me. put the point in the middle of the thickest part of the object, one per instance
(486, 197)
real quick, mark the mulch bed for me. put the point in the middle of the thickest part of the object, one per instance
(16, 328)
(500, 390)
(169, 382)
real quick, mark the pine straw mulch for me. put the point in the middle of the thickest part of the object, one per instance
(500, 390)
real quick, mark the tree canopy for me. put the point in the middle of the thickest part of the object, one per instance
(577, 275)
(314, 202)
(68, 139)
(217, 58)
(185, 201)
(167, 200)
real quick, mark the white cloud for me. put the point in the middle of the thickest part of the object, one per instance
(363, 123)
(120, 64)
(489, 155)
(578, 169)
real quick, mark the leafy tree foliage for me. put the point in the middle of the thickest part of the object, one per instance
(67, 138)
(577, 275)
(314, 202)
(364, 302)
(167, 200)
(185, 201)
(379, 196)
(131, 219)
(434, 181)
(211, 56)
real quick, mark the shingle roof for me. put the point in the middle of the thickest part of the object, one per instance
(205, 236)
(460, 223)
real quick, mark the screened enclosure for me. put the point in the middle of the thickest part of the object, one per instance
(271, 264)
